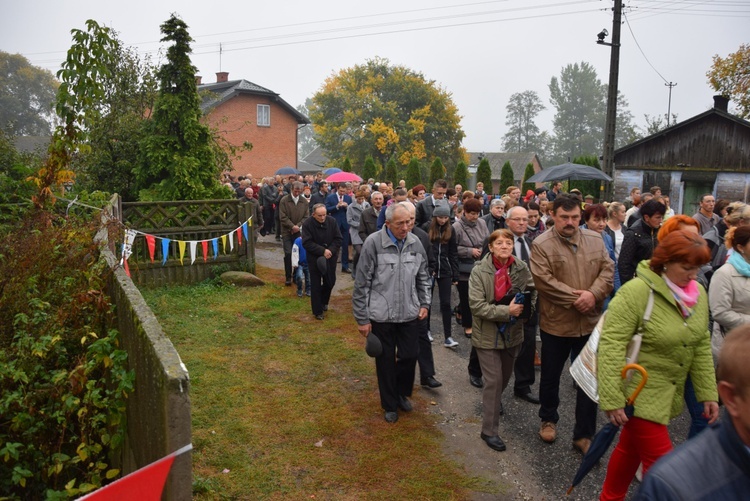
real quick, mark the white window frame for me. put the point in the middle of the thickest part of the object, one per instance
(264, 115)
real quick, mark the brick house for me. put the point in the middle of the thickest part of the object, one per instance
(244, 111)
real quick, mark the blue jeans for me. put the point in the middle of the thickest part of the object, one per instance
(698, 423)
(302, 271)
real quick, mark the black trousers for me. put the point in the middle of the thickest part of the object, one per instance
(444, 292)
(425, 359)
(269, 217)
(524, 368)
(395, 366)
(321, 285)
(555, 352)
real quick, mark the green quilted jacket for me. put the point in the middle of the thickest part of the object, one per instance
(672, 348)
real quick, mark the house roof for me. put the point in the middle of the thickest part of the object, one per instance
(224, 91)
(518, 162)
(316, 157)
(683, 124)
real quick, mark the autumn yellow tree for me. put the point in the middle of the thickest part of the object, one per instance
(387, 112)
(730, 76)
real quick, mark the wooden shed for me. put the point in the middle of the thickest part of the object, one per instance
(708, 153)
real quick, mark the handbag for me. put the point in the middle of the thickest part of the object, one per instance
(584, 368)
(465, 266)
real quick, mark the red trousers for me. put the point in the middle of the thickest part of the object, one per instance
(641, 441)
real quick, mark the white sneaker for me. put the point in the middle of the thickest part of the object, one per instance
(450, 343)
(429, 336)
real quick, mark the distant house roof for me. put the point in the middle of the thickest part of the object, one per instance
(32, 144)
(307, 167)
(221, 92)
(316, 157)
(518, 162)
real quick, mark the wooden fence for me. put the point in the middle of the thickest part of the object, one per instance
(211, 221)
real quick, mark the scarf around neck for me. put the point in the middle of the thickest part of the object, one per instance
(502, 277)
(739, 263)
(686, 297)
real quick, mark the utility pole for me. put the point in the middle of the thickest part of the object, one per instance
(614, 72)
(669, 106)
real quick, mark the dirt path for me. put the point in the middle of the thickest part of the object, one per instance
(529, 469)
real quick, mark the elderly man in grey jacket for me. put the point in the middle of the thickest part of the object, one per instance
(391, 295)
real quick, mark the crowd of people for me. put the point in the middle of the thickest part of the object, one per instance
(542, 268)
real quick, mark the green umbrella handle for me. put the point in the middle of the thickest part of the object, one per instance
(644, 378)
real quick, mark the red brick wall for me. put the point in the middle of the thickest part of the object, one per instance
(273, 147)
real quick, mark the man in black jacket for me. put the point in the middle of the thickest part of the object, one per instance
(640, 239)
(368, 222)
(321, 238)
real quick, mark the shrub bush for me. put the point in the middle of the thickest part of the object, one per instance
(63, 377)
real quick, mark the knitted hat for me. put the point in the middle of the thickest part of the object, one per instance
(441, 211)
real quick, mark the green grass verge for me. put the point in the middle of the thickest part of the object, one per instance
(289, 405)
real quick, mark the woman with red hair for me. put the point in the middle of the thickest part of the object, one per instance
(675, 344)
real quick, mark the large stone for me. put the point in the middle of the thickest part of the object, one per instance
(241, 279)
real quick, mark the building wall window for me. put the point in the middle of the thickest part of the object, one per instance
(264, 115)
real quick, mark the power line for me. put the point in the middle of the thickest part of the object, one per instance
(630, 28)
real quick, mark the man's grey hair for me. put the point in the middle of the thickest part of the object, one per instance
(513, 210)
(316, 206)
(497, 201)
(298, 185)
(392, 208)
(376, 194)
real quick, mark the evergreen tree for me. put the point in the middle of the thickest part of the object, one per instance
(347, 167)
(370, 170)
(526, 175)
(484, 175)
(506, 177)
(461, 174)
(437, 171)
(179, 160)
(413, 176)
(391, 170)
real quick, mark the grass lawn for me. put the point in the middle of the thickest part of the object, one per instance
(287, 407)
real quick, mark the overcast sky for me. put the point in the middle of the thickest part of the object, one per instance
(480, 52)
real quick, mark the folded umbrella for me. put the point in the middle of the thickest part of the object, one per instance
(604, 437)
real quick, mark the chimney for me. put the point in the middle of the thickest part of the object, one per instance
(222, 76)
(198, 79)
(721, 103)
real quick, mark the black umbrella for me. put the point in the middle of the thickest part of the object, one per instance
(575, 172)
(287, 171)
(604, 437)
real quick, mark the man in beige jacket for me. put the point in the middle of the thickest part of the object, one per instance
(573, 275)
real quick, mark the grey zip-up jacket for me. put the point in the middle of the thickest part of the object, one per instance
(390, 285)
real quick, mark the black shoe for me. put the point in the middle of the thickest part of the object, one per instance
(325, 307)
(528, 397)
(476, 381)
(391, 416)
(495, 442)
(404, 404)
(431, 382)
(345, 270)
(319, 317)
(288, 281)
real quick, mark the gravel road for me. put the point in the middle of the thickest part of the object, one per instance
(529, 469)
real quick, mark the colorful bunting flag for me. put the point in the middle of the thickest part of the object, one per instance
(181, 246)
(204, 246)
(151, 242)
(165, 250)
